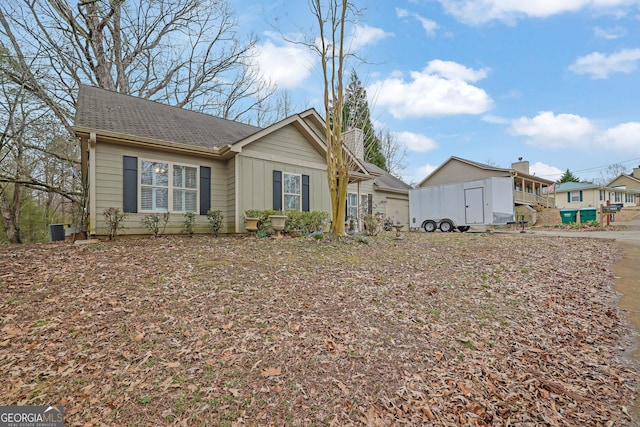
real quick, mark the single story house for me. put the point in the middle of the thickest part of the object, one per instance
(146, 157)
(628, 182)
(578, 195)
(528, 189)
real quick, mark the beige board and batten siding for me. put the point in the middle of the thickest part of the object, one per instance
(388, 204)
(398, 211)
(285, 150)
(456, 171)
(230, 214)
(108, 183)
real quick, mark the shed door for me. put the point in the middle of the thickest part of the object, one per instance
(474, 206)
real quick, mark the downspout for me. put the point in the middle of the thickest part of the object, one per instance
(92, 184)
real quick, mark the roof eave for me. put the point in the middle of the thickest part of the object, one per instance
(392, 190)
(223, 151)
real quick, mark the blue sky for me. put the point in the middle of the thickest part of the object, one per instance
(555, 82)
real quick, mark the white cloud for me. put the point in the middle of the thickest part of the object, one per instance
(402, 13)
(609, 33)
(454, 71)
(555, 131)
(623, 137)
(364, 35)
(415, 141)
(570, 131)
(288, 65)
(545, 171)
(600, 65)
(416, 175)
(440, 89)
(495, 119)
(477, 12)
(428, 25)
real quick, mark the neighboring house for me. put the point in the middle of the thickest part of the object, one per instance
(578, 195)
(145, 157)
(528, 189)
(628, 182)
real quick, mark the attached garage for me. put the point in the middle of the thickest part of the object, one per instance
(398, 210)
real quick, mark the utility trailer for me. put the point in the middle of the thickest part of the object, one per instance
(487, 201)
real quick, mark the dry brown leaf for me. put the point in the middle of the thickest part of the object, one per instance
(271, 372)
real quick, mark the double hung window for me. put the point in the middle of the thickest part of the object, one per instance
(168, 187)
(292, 192)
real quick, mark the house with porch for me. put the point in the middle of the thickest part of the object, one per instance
(579, 195)
(628, 182)
(145, 157)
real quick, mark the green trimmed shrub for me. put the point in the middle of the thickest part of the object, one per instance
(155, 223)
(215, 220)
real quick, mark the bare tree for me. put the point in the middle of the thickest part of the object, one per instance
(612, 172)
(32, 157)
(185, 53)
(331, 20)
(181, 52)
(394, 153)
(278, 107)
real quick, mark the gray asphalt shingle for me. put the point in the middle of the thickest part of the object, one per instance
(100, 109)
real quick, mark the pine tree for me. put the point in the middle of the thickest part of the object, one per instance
(356, 114)
(568, 176)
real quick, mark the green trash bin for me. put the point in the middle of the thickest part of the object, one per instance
(568, 215)
(588, 214)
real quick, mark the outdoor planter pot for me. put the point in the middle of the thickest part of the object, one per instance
(277, 223)
(251, 224)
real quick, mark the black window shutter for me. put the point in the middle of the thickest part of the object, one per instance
(305, 193)
(580, 195)
(568, 196)
(277, 190)
(130, 184)
(205, 189)
(370, 204)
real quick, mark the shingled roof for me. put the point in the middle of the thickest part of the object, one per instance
(103, 110)
(384, 179)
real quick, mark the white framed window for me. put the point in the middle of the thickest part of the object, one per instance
(618, 197)
(352, 206)
(575, 196)
(292, 192)
(168, 187)
(185, 188)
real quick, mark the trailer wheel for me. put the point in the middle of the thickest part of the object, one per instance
(429, 226)
(446, 226)
(463, 228)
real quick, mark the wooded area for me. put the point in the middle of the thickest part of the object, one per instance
(180, 52)
(183, 53)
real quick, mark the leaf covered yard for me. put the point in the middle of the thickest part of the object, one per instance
(435, 329)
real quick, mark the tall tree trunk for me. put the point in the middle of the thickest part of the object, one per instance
(9, 211)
